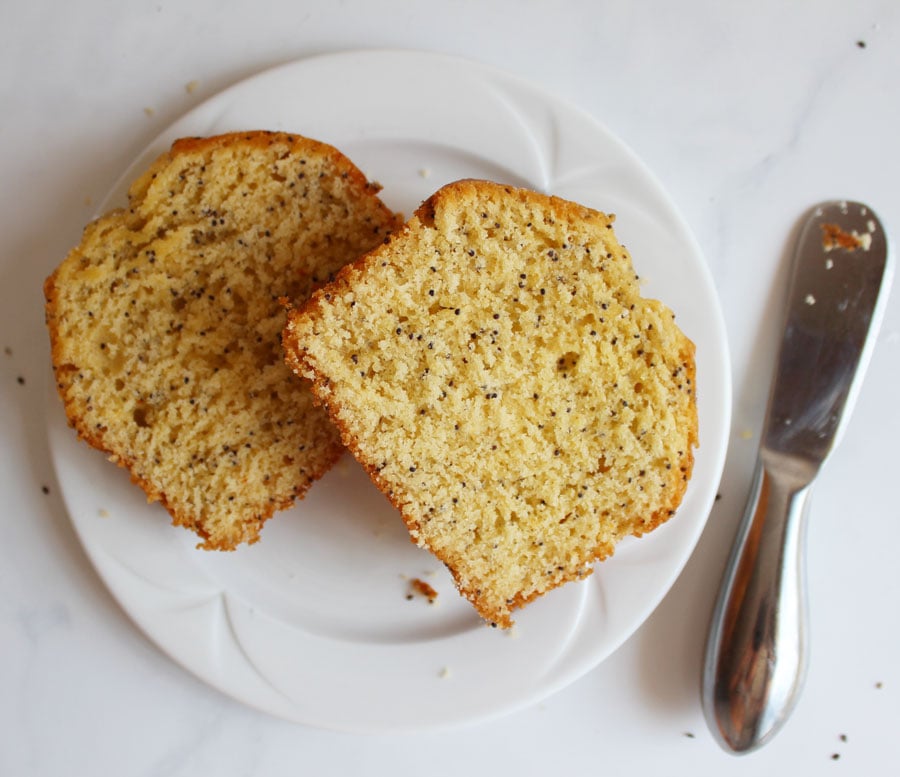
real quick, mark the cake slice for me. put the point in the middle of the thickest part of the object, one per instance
(496, 371)
(165, 324)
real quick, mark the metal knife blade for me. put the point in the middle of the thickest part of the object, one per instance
(838, 273)
(757, 647)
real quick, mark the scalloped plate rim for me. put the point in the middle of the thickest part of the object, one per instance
(587, 644)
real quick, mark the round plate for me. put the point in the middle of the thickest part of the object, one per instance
(315, 623)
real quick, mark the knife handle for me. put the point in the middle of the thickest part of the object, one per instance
(757, 648)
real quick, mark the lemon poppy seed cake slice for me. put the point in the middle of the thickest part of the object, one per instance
(495, 369)
(165, 324)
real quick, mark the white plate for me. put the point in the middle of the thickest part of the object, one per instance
(313, 623)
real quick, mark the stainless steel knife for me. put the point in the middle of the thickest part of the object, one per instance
(757, 646)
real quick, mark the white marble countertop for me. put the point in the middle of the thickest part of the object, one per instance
(747, 113)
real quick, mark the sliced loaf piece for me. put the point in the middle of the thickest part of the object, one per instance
(497, 372)
(165, 324)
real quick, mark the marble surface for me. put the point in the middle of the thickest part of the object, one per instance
(747, 113)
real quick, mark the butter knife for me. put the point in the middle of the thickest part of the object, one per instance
(756, 652)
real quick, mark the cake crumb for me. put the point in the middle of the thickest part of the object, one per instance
(419, 586)
(103, 513)
(191, 86)
(809, 299)
(444, 674)
(149, 111)
(834, 237)
(746, 434)
(424, 172)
